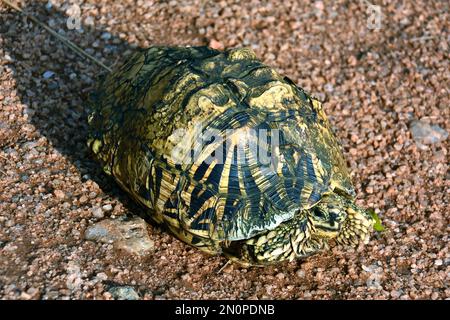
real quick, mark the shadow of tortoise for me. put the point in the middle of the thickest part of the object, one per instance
(54, 83)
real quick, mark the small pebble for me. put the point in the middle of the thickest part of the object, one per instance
(300, 273)
(106, 36)
(107, 207)
(83, 199)
(101, 276)
(59, 194)
(124, 293)
(438, 262)
(216, 44)
(98, 213)
(48, 74)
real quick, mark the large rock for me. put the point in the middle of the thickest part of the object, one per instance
(130, 236)
(425, 134)
(124, 293)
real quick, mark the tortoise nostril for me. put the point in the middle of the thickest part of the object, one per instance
(335, 217)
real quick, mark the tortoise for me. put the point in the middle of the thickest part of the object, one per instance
(215, 193)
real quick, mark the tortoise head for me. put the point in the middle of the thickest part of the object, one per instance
(328, 216)
(335, 216)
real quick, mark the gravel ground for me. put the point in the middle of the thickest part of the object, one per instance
(386, 92)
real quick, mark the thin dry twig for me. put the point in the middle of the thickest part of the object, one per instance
(223, 267)
(64, 40)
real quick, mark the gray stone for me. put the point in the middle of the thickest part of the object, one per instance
(425, 134)
(97, 212)
(124, 293)
(106, 36)
(8, 58)
(48, 74)
(99, 233)
(30, 145)
(375, 276)
(329, 87)
(49, 5)
(130, 236)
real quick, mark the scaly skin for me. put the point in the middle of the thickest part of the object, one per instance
(333, 218)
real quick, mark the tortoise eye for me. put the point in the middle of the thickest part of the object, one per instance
(320, 214)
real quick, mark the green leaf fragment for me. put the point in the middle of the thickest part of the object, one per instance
(377, 225)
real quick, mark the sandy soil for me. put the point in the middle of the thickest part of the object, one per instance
(374, 82)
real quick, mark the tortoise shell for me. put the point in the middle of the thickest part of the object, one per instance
(173, 126)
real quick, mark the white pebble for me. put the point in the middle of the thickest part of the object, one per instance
(48, 74)
(106, 36)
(107, 207)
